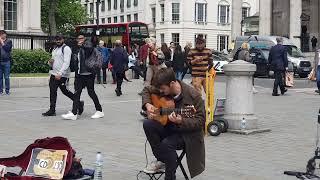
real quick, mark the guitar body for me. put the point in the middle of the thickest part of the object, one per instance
(159, 103)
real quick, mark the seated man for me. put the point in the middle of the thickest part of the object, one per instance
(180, 132)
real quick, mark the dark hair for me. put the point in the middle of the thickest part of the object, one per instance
(3, 32)
(171, 42)
(166, 51)
(163, 76)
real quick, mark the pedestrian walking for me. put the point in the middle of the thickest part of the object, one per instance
(317, 69)
(119, 62)
(59, 74)
(278, 61)
(179, 61)
(84, 78)
(105, 55)
(5, 62)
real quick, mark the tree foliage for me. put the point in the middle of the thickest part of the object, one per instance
(68, 14)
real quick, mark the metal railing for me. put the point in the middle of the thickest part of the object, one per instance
(28, 41)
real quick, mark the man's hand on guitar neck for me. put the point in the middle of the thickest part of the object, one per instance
(175, 118)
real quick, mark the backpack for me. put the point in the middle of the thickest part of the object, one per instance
(73, 59)
(94, 61)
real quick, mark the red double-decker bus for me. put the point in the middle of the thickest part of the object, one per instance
(129, 33)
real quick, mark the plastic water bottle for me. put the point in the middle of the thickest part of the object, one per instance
(243, 124)
(98, 167)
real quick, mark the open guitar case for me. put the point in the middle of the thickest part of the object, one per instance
(22, 161)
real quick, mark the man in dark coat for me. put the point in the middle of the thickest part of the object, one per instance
(180, 132)
(278, 61)
(119, 61)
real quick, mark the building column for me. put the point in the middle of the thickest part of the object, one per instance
(295, 21)
(265, 19)
(1, 14)
(236, 19)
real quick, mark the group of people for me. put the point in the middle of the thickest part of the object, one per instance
(63, 60)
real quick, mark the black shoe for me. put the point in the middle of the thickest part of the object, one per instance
(317, 91)
(140, 93)
(143, 113)
(273, 94)
(119, 93)
(99, 82)
(49, 113)
(80, 110)
(104, 82)
(282, 92)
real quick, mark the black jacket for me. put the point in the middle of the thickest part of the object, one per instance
(278, 59)
(179, 62)
(82, 53)
(119, 60)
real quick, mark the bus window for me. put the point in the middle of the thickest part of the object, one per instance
(143, 30)
(122, 29)
(135, 30)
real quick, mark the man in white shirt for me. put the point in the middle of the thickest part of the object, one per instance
(59, 74)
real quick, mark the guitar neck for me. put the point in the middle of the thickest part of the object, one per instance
(168, 111)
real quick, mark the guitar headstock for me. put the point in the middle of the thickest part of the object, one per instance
(188, 111)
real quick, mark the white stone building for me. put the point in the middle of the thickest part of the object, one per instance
(179, 21)
(22, 18)
(297, 19)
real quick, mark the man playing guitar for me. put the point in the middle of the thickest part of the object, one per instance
(179, 132)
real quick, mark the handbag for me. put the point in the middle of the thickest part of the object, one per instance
(312, 75)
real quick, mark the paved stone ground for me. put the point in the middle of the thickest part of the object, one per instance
(120, 137)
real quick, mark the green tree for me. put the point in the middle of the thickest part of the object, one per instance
(61, 16)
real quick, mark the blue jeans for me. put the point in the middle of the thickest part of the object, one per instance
(5, 71)
(179, 75)
(318, 77)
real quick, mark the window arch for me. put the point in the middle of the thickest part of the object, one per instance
(224, 12)
(201, 11)
(245, 10)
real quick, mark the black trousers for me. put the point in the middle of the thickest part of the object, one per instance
(164, 142)
(104, 75)
(278, 81)
(82, 81)
(119, 78)
(54, 85)
(138, 71)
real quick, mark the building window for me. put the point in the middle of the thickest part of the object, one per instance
(91, 21)
(162, 38)
(135, 17)
(103, 6)
(121, 18)
(153, 13)
(109, 5)
(10, 14)
(175, 13)
(201, 12)
(223, 13)
(245, 10)
(135, 2)
(128, 3)
(129, 18)
(115, 19)
(109, 19)
(86, 8)
(176, 38)
(223, 42)
(122, 5)
(91, 8)
(162, 13)
(115, 5)
(103, 20)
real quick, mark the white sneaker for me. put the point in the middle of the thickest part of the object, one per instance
(97, 115)
(69, 116)
(254, 90)
(155, 166)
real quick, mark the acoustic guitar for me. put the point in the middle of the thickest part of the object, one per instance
(165, 106)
